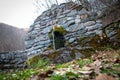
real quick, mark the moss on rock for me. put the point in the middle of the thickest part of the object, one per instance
(59, 29)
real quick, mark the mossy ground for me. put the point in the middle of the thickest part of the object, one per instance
(72, 70)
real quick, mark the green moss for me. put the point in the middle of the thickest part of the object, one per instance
(82, 41)
(56, 77)
(19, 75)
(37, 62)
(94, 41)
(59, 29)
(71, 76)
(83, 62)
(33, 60)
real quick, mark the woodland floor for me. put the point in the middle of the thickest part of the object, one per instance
(103, 65)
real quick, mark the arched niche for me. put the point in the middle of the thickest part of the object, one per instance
(56, 36)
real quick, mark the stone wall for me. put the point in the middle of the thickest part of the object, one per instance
(12, 60)
(85, 28)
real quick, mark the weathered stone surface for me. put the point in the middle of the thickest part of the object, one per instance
(84, 28)
(61, 16)
(89, 23)
(46, 30)
(72, 13)
(77, 21)
(61, 55)
(72, 40)
(70, 28)
(84, 16)
(82, 11)
(13, 60)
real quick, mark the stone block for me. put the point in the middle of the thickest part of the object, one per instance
(89, 23)
(72, 13)
(84, 16)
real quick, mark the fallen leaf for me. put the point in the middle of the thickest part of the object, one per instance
(104, 77)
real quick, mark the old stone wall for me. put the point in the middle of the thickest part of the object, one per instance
(75, 21)
(85, 28)
(12, 60)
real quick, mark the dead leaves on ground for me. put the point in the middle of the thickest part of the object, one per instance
(92, 71)
(104, 77)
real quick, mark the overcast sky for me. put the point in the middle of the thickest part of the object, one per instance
(18, 13)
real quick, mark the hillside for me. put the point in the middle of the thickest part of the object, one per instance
(11, 38)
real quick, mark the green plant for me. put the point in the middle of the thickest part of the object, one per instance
(56, 77)
(42, 63)
(83, 62)
(61, 66)
(71, 75)
(37, 62)
(108, 47)
(19, 75)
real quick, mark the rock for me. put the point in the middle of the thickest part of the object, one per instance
(80, 27)
(112, 33)
(91, 28)
(45, 18)
(61, 16)
(66, 11)
(72, 13)
(99, 21)
(46, 30)
(48, 13)
(78, 55)
(77, 21)
(70, 28)
(84, 16)
(61, 55)
(11, 60)
(71, 40)
(82, 11)
(89, 23)
(94, 27)
(70, 18)
(77, 16)
(71, 22)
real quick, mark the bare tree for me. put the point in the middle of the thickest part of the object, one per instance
(46, 4)
(99, 4)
